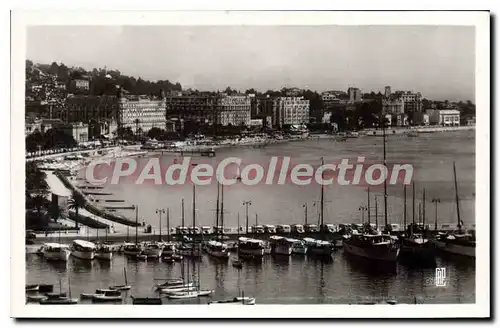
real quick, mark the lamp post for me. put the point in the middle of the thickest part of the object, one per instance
(436, 201)
(160, 211)
(363, 209)
(247, 203)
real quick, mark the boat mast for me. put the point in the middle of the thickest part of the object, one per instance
(125, 274)
(238, 235)
(413, 207)
(404, 210)
(182, 212)
(136, 222)
(369, 209)
(456, 199)
(322, 202)
(217, 211)
(385, 180)
(423, 211)
(222, 212)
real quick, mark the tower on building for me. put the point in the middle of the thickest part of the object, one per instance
(387, 92)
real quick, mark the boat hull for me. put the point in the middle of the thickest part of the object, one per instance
(455, 249)
(107, 256)
(252, 252)
(153, 252)
(299, 250)
(62, 255)
(83, 255)
(190, 252)
(378, 254)
(282, 250)
(222, 254)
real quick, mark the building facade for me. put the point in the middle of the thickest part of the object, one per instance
(82, 84)
(354, 95)
(444, 117)
(393, 105)
(387, 91)
(142, 113)
(199, 109)
(88, 108)
(233, 110)
(292, 111)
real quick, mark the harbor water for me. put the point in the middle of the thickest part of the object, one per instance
(296, 279)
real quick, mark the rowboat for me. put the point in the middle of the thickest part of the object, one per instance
(109, 296)
(236, 300)
(35, 298)
(191, 294)
(177, 289)
(32, 288)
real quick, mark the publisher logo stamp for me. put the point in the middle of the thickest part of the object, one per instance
(440, 278)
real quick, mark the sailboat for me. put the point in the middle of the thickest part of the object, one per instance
(104, 251)
(59, 298)
(188, 246)
(238, 263)
(316, 247)
(460, 242)
(217, 248)
(134, 250)
(415, 247)
(381, 248)
(195, 291)
(122, 287)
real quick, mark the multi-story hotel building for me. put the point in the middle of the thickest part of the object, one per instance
(354, 95)
(82, 84)
(88, 108)
(291, 111)
(445, 117)
(142, 113)
(200, 109)
(393, 105)
(233, 110)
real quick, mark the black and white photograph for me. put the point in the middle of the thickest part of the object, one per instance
(241, 158)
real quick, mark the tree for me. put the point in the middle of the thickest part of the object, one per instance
(156, 133)
(38, 202)
(34, 141)
(35, 179)
(137, 122)
(75, 203)
(58, 138)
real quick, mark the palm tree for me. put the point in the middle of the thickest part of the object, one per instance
(137, 122)
(75, 203)
(39, 201)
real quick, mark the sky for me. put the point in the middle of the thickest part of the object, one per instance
(438, 61)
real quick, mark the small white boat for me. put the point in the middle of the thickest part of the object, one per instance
(89, 296)
(168, 249)
(191, 294)
(59, 301)
(179, 289)
(218, 249)
(236, 300)
(109, 296)
(83, 249)
(126, 286)
(56, 252)
(32, 288)
(173, 283)
(104, 290)
(35, 298)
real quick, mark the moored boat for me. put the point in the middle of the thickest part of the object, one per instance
(177, 289)
(32, 288)
(108, 296)
(379, 248)
(251, 247)
(280, 245)
(56, 252)
(218, 249)
(83, 249)
(104, 252)
(153, 250)
(191, 294)
(236, 300)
